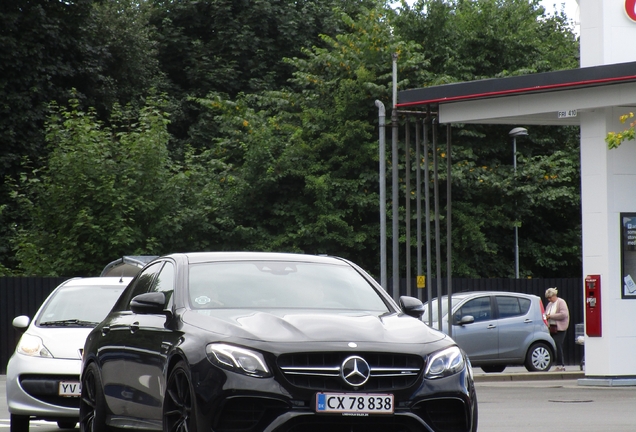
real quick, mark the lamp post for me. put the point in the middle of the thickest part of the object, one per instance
(514, 133)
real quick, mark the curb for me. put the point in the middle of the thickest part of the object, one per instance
(528, 376)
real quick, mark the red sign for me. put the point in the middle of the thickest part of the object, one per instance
(630, 9)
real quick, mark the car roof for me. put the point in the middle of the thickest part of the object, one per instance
(465, 294)
(97, 281)
(201, 257)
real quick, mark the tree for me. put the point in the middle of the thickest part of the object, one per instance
(470, 40)
(104, 191)
(102, 49)
(615, 139)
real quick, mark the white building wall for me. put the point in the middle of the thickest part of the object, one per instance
(607, 33)
(608, 184)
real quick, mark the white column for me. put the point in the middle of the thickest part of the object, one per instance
(608, 184)
(607, 32)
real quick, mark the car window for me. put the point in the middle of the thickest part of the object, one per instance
(512, 306)
(165, 282)
(143, 283)
(478, 308)
(265, 284)
(435, 309)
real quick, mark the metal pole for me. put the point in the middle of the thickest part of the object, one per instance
(382, 169)
(407, 204)
(514, 152)
(449, 263)
(427, 193)
(418, 203)
(438, 251)
(394, 186)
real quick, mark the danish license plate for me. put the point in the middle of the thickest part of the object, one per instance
(69, 388)
(354, 403)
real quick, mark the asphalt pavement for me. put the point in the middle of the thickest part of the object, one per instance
(514, 401)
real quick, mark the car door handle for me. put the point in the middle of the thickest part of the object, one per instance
(491, 326)
(528, 321)
(134, 327)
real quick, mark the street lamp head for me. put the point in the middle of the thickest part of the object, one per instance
(518, 131)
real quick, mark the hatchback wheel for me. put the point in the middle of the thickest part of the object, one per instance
(539, 358)
(66, 424)
(92, 405)
(178, 406)
(19, 423)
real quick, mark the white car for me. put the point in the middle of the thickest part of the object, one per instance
(43, 373)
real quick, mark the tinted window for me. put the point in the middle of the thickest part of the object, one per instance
(165, 282)
(270, 284)
(512, 306)
(143, 283)
(478, 308)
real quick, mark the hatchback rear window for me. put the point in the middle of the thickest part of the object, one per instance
(512, 306)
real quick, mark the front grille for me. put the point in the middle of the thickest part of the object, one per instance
(445, 415)
(321, 371)
(352, 424)
(46, 389)
(242, 414)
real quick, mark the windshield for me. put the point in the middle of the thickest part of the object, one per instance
(268, 284)
(435, 309)
(83, 306)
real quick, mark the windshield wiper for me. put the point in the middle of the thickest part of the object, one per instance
(68, 323)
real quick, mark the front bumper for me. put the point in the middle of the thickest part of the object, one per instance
(271, 405)
(32, 387)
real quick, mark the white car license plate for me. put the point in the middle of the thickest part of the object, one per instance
(69, 388)
(354, 403)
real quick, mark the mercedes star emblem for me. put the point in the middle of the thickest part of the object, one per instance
(355, 371)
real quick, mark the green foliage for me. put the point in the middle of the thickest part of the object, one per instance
(615, 139)
(468, 40)
(105, 191)
(273, 139)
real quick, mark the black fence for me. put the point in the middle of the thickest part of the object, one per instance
(19, 296)
(23, 296)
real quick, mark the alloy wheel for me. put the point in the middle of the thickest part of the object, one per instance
(178, 407)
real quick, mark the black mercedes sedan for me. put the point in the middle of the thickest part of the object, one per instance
(255, 342)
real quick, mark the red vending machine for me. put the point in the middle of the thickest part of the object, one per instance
(593, 305)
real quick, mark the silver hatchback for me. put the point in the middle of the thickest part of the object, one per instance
(43, 374)
(497, 329)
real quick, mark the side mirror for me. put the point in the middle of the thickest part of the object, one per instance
(20, 323)
(412, 306)
(467, 319)
(152, 303)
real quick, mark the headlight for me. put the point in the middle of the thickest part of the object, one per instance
(444, 363)
(32, 346)
(237, 359)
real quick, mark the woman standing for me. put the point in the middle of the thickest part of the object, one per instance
(558, 316)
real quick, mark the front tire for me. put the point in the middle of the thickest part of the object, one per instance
(539, 358)
(66, 424)
(19, 423)
(92, 402)
(179, 413)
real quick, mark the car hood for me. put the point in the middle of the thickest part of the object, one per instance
(62, 343)
(312, 325)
